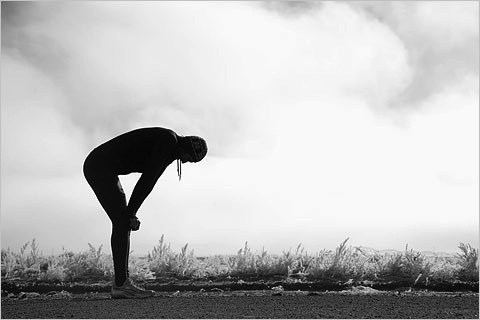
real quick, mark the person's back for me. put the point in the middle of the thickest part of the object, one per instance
(132, 151)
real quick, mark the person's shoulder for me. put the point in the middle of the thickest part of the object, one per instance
(162, 135)
(168, 133)
(160, 131)
(165, 136)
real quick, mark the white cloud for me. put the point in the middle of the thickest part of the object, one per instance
(441, 39)
(208, 66)
(294, 106)
(38, 138)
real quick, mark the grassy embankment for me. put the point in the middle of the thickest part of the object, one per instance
(343, 264)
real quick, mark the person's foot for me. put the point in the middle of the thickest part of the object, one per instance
(130, 290)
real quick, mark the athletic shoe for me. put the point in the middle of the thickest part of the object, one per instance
(130, 290)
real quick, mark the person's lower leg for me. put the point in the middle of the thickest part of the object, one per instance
(128, 255)
(120, 242)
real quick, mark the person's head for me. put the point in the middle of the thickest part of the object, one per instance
(191, 149)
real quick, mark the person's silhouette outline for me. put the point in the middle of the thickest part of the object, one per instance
(148, 151)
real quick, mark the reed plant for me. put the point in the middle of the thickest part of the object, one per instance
(468, 257)
(345, 263)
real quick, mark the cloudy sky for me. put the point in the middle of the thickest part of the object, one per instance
(325, 120)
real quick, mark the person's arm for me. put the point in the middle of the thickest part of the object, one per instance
(157, 165)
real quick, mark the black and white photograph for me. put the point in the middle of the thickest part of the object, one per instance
(240, 159)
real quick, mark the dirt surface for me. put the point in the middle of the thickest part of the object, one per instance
(354, 303)
(15, 286)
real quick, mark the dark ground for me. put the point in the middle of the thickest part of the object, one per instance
(353, 303)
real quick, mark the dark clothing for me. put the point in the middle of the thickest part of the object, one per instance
(110, 194)
(148, 151)
(139, 150)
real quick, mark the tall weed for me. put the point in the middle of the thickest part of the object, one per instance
(468, 263)
(163, 261)
(343, 263)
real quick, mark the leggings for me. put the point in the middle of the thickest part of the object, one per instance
(110, 194)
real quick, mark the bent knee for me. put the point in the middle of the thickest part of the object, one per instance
(121, 224)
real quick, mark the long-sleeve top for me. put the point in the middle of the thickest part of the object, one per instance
(148, 151)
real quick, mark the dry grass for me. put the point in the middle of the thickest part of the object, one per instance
(344, 263)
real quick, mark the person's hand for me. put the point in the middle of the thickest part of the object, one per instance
(134, 223)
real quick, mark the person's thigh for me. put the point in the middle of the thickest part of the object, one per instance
(109, 192)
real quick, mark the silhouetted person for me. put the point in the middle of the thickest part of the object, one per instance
(148, 151)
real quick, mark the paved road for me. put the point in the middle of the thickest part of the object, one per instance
(195, 306)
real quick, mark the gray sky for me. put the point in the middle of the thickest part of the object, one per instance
(325, 120)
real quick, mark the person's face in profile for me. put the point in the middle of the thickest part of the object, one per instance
(184, 156)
